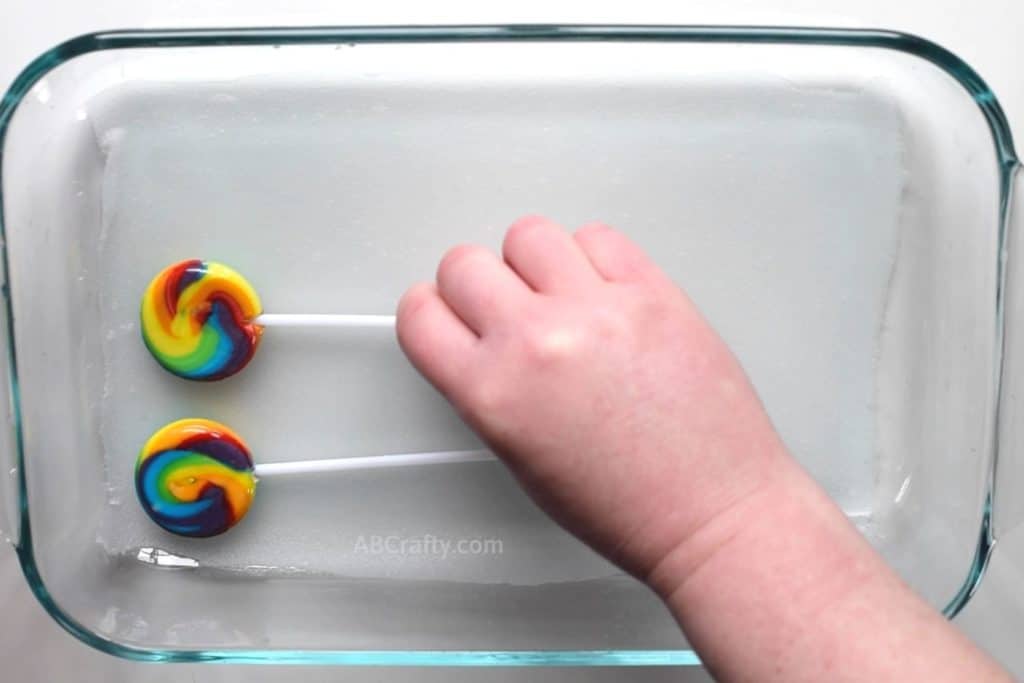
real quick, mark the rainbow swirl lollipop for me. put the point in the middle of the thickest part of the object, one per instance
(202, 320)
(197, 320)
(194, 477)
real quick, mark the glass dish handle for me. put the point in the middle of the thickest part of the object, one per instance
(9, 499)
(1008, 479)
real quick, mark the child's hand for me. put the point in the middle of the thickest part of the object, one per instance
(597, 380)
(630, 422)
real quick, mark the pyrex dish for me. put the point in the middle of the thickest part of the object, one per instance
(835, 201)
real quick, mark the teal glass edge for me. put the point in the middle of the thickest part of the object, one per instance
(914, 45)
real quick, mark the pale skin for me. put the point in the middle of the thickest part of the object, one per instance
(627, 419)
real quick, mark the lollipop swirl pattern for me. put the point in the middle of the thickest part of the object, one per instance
(194, 477)
(196, 320)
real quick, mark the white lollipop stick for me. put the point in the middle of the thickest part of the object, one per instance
(269, 469)
(322, 320)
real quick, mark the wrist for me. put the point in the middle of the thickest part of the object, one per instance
(730, 527)
(782, 587)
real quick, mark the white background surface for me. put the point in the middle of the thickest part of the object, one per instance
(33, 648)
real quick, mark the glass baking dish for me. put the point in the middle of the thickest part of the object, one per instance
(837, 202)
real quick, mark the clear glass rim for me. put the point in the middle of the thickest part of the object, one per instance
(94, 42)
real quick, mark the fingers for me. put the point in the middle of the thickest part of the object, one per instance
(435, 340)
(546, 257)
(479, 288)
(615, 256)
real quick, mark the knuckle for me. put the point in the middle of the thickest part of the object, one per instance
(484, 401)
(613, 323)
(550, 345)
(644, 307)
